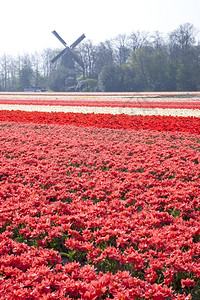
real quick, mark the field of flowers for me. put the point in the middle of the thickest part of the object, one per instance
(99, 206)
(175, 104)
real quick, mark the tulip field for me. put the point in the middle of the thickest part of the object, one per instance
(100, 196)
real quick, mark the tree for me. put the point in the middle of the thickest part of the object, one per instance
(181, 40)
(121, 49)
(156, 70)
(87, 54)
(138, 63)
(87, 84)
(58, 81)
(25, 77)
(104, 56)
(25, 72)
(138, 39)
(171, 71)
(150, 67)
(128, 79)
(111, 79)
(187, 78)
(157, 41)
(5, 68)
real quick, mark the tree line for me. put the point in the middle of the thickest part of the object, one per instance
(137, 62)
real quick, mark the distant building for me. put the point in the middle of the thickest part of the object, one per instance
(33, 89)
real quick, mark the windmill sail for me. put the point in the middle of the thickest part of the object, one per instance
(68, 50)
(59, 55)
(77, 41)
(59, 37)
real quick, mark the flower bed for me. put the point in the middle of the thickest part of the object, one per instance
(99, 206)
(106, 102)
(176, 104)
(158, 123)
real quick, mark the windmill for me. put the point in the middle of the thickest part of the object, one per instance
(67, 54)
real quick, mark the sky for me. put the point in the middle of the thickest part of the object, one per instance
(26, 25)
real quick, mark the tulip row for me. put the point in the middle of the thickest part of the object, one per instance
(88, 212)
(136, 122)
(126, 102)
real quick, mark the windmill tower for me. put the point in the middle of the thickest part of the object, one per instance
(69, 57)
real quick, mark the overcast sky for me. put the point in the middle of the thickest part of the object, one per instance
(26, 25)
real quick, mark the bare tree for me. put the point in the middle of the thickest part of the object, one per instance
(87, 53)
(181, 40)
(121, 48)
(46, 57)
(138, 39)
(104, 56)
(4, 65)
(157, 40)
